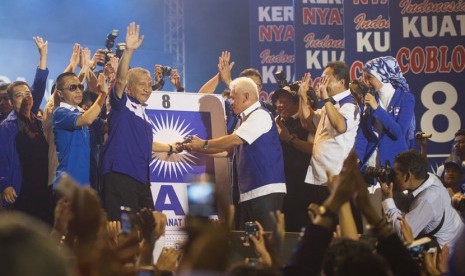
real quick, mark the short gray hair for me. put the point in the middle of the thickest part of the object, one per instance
(137, 70)
(243, 85)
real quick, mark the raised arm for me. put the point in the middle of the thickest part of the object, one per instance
(40, 79)
(74, 60)
(88, 117)
(133, 41)
(305, 113)
(210, 86)
(335, 118)
(43, 51)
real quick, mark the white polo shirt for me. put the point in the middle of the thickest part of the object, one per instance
(330, 147)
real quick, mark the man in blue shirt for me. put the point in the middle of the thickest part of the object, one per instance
(23, 149)
(127, 153)
(70, 126)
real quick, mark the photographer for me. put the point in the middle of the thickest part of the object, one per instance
(430, 212)
(159, 74)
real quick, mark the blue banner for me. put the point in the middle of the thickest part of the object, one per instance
(366, 33)
(427, 40)
(319, 36)
(272, 41)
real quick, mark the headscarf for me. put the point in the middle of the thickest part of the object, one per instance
(387, 70)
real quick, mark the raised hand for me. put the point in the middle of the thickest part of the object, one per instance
(224, 67)
(75, 55)
(175, 79)
(102, 85)
(146, 223)
(99, 57)
(85, 58)
(406, 230)
(133, 37)
(9, 195)
(41, 45)
(323, 88)
(260, 247)
(304, 86)
(168, 260)
(371, 100)
(157, 73)
(283, 132)
(160, 224)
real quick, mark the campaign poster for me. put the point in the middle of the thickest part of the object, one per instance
(272, 41)
(366, 33)
(427, 38)
(319, 36)
(174, 116)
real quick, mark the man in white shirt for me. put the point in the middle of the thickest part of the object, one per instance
(260, 168)
(430, 211)
(337, 123)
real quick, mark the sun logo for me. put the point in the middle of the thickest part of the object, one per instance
(166, 130)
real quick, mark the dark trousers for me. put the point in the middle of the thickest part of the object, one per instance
(260, 209)
(122, 190)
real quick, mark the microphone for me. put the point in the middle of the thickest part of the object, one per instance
(367, 110)
(422, 135)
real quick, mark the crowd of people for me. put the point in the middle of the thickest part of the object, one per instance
(297, 165)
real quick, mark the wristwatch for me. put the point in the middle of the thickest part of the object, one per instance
(205, 145)
(325, 212)
(329, 100)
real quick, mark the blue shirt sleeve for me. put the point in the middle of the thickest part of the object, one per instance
(116, 103)
(38, 88)
(65, 119)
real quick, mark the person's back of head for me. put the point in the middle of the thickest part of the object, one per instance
(363, 264)
(412, 161)
(27, 249)
(338, 250)
(252, 270)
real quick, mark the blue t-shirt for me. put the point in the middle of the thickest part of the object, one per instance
(72, 144)
(128, 149)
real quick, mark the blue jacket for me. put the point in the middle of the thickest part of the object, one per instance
(10, 169)
(396, 121)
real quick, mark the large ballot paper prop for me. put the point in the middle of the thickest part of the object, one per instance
(173, 116)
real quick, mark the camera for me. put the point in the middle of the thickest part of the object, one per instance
(294, 86)
(385, 174)
(166, 71)
(422, 135)
(250, 228)
(109, 43)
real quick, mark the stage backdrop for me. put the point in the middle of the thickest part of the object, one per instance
(366, 33)
(272, 41)
(426, 37)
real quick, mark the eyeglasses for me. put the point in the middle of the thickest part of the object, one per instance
(73, 87)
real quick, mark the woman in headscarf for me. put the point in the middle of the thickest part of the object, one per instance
(388, 114)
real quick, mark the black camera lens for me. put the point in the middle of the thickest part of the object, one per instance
(166, 71)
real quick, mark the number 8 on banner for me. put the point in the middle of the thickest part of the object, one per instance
(444, 109)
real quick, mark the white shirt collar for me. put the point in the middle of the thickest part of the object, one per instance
(11, 116)
(341, 95)
(430, 181)
(249, 109)
(71, 107)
